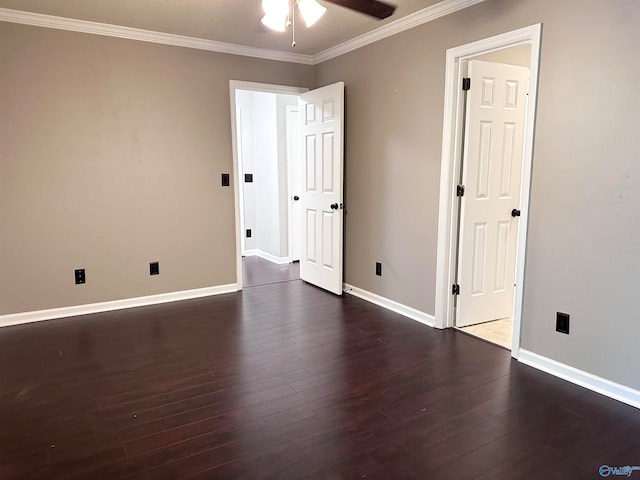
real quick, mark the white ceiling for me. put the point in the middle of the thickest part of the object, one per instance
(231, 21)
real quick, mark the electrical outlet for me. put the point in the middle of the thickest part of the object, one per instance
(154, 268)
(562, 322)
(225, 180)
(248, 177)
(248, 233)
(379, 269)
(80, 276)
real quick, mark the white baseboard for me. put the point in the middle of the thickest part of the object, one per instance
(587, 380)
(40, 315)
(273, 258)
(267, 256)
(392, 305)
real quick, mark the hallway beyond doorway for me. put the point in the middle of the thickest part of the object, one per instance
(258, 271)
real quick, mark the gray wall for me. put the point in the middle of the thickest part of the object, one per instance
(111, 152)
(582, 256)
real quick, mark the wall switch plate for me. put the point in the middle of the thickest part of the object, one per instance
(248, 177)
(225, 180)
(80, 276)
(248, 233)
(562, 322)
(379, 269)
(154, 268)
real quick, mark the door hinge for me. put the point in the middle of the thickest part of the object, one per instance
(466, 84)
(455, 289)
(460, 190)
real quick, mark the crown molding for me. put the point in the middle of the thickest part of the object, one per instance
(428, 14)
(440, 9)
(95, 28)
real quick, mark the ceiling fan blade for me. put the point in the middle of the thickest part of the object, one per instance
(374, 8)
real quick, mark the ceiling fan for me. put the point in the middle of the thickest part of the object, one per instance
(374, 8)
(279, 14)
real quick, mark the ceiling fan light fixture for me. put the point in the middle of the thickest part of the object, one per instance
(311, 11)
(275, 22)
(276, 13)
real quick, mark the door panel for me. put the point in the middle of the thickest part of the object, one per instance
(328, 162)
(310, 232)
(322, 137)
(479, 258)
(506, 166)
(492, 166)
(327, 240)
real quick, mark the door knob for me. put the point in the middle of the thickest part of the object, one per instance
(515, 212)
(334, 206)
(296, 198)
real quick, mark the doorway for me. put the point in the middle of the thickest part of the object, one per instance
(288, 155)
(267, 154)
(476, 255)
(488, 208)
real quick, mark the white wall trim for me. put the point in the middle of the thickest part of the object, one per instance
(447, 217)
(265, 87)
(293, 185)
(392, 305)
(254, 252)
(96, 28)
(601, 385)
(412, 20)
(40, 315)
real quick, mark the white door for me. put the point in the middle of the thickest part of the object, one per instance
(295, 182)
(322, 117)
(492, 167)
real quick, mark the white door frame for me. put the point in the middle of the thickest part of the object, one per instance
(450, 168)
(237, 181)
(291, 182)
(238, 152)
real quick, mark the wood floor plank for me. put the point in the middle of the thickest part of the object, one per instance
(283, 380)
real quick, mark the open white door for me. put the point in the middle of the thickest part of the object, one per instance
(322, 118)
(492, 167)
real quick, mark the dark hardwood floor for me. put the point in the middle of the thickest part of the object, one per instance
(286, 381)
(258, 271)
